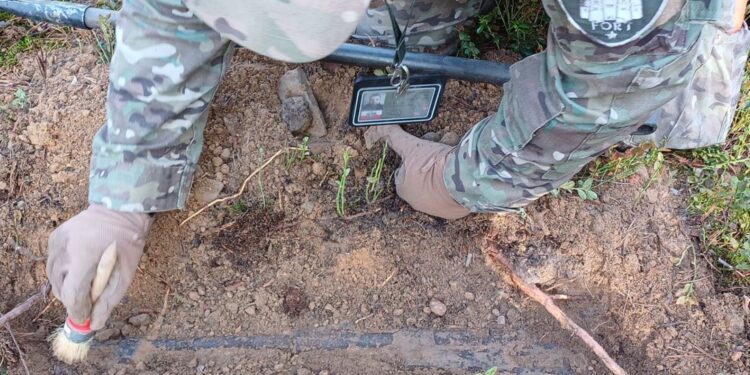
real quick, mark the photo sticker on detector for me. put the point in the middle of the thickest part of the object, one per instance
(376, 102)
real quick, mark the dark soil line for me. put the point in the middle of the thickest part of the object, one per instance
(418, 348)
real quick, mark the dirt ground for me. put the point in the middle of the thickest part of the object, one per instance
(287, 287)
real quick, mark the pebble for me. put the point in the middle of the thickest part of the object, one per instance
(217, 161)
(278, 367)
(304, 371)
(233, 308)
(226, 153)
(193, 362)
(200, 368)
(495, 312)
(469, 296)
(437, 307)
(736, 356)
(140, 366)
(250, 310)
(411, 321)
(431, 136)
(450, 139)
(324, 372)
(318, 169)
(107, 334)
(140, 320)
(501, 320)
(194, 296)
(426, 310)
(398, 312)
(224, 169)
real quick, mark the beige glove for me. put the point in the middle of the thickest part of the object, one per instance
(74, 252)
(419, 179)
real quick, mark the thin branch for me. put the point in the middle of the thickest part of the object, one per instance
(20, 353)
(242, 187)
(545, 300)
(20, 309)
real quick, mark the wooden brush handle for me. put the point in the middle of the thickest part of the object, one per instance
(104, 271)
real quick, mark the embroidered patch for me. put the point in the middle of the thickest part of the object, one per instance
(613, 22)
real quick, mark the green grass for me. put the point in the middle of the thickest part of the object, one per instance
(9, 54)
(341, 183)
(374, 186)
(519, 25)
(720, 197)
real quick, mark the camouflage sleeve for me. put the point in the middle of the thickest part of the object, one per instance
(607, 69)
(163, 75)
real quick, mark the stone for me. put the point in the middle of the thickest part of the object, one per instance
(140, 320)
(296, 115)
(207, 190)
(304, 371)
(450, 139)
(194, 296)
(106, 334)
(437, 307)
(469, 296)
(233, 308)
(318, 169)
(398, 312)
(294, 83)
(193, 363)
(431, 136)
(736, 356)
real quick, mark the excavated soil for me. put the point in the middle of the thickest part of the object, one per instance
(282, 285)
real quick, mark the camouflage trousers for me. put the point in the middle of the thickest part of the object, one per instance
(427, 24)
(569, 104)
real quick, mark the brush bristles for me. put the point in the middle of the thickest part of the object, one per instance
(66, 350)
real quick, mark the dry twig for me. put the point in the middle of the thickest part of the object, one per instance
(545, 300)
(20, 309)
(20, 353)
(242, 187)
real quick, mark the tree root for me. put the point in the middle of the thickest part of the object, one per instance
(20, 309)
(531, 290)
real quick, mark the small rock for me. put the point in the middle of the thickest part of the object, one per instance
(398, 312)
(207, 191)
(199, 368)
(318, 169)
(736, 356)
(217, 161)
(324, 372)
(431, 136)
(469, 296)
(250, 310)
(437, 307)
(294, 83)
(128, 330)
(193, 362)
(140, 366)
(513, 316)
(224, 169)
(304, 371)
(495, 312)
(426, 310)
(194, 296)
(296, 115)
(278, 367)
(233, 307)
(450, 139)
(735, 323)
(501, 320)
(107, 334)
(225, 153)
(140, 320)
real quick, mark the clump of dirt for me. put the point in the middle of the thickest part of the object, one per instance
(294, 301)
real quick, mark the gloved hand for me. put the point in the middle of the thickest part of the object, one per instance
(419, 179)
(75, 249)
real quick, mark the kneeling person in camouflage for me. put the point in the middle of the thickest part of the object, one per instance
(607, 70)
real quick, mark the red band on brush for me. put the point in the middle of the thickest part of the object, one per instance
(80, 328)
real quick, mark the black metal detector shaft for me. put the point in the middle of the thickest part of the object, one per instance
(87, 17)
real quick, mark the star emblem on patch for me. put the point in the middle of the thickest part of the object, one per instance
(613, 23)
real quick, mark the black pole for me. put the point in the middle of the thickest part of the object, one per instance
(84, 16)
